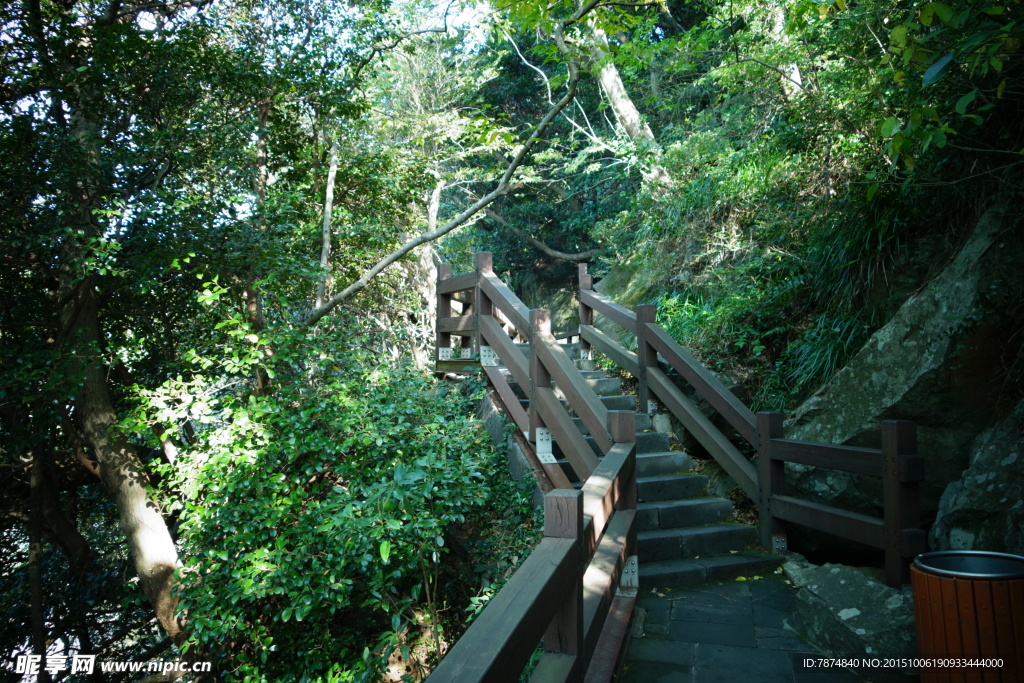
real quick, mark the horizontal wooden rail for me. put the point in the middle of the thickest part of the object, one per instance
(501, 640)
(461, 324)
(508, 303)
(707, 385)
(617, 313)
(610, 483)
(574, 445)
(510, 355)
(619, 354)
(724, 452)
(459, 283)
(580, 395)
(851, 525)
(866, 461)
(896, 464)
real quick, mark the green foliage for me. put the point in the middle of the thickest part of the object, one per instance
(330, 503)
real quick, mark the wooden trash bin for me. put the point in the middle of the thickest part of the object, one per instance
(969, 613)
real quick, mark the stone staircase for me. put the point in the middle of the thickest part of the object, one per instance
(685, 537)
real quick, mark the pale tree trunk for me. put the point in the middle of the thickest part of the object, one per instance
(325, 248)
(792, 81)
(420, 275)
(121, 471)
(626, 113)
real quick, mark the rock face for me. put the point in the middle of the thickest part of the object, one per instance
(933, 363)
(850, 614)
(985, 509)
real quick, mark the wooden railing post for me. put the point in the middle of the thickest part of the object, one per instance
(646, 356)
(622, 426)
(902, 469)
(483, 306)
(586, 281)
(540, 319)
(563, 518)
(772, 481)
(442, 340)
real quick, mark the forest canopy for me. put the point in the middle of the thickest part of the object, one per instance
(219, 230)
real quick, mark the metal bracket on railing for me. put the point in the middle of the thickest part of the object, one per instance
(444, 353)
(652, 407)
(488, 358)
(629, 584)
(779, 544)
(544, 452)
(586, 354)
(467, 351)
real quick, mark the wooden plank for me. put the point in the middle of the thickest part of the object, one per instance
(731, 460)
(772, 476)
(458, 283)
(499, 643)
(965, 610)
(507, 351)
(618, 314)
(508, 398)
(706, 384)
(555, 667)
(1015, 669)
(604, 489)
(581, 396)
(899, 498)
(850, 525)
(563, 518)
(846, 458)
(460, 366)
(508, 303)
(459, 325)
(577, 451)
(601, 579)
(614, 640)
(619, 354)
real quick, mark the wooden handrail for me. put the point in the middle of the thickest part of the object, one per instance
(593, 528)
(897, 464)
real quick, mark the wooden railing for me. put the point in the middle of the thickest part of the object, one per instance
(566, 589)
(897, 531)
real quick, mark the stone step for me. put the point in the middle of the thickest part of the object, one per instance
(670, 487)
(646, 442)
(681, 513)
(695, 541)
(602, 386)
(643, 423)
(666, 462)
(610, 403)
(691, 572)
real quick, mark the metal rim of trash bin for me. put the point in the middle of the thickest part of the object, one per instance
(1003, 565)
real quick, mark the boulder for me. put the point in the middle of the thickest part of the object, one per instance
(932, 363)
(851, 614)
(984, 509)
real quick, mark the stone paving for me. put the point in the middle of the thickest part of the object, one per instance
(723, 632)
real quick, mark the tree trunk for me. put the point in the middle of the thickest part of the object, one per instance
(121, 471)
(325, 239)
(35, 559)
(626, 113)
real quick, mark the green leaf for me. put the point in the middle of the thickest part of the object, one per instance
(937, 70)
(889, 127)
(385, 550)
(961, 104)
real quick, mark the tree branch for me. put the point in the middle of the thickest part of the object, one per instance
(553, 253)
(503, 187)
